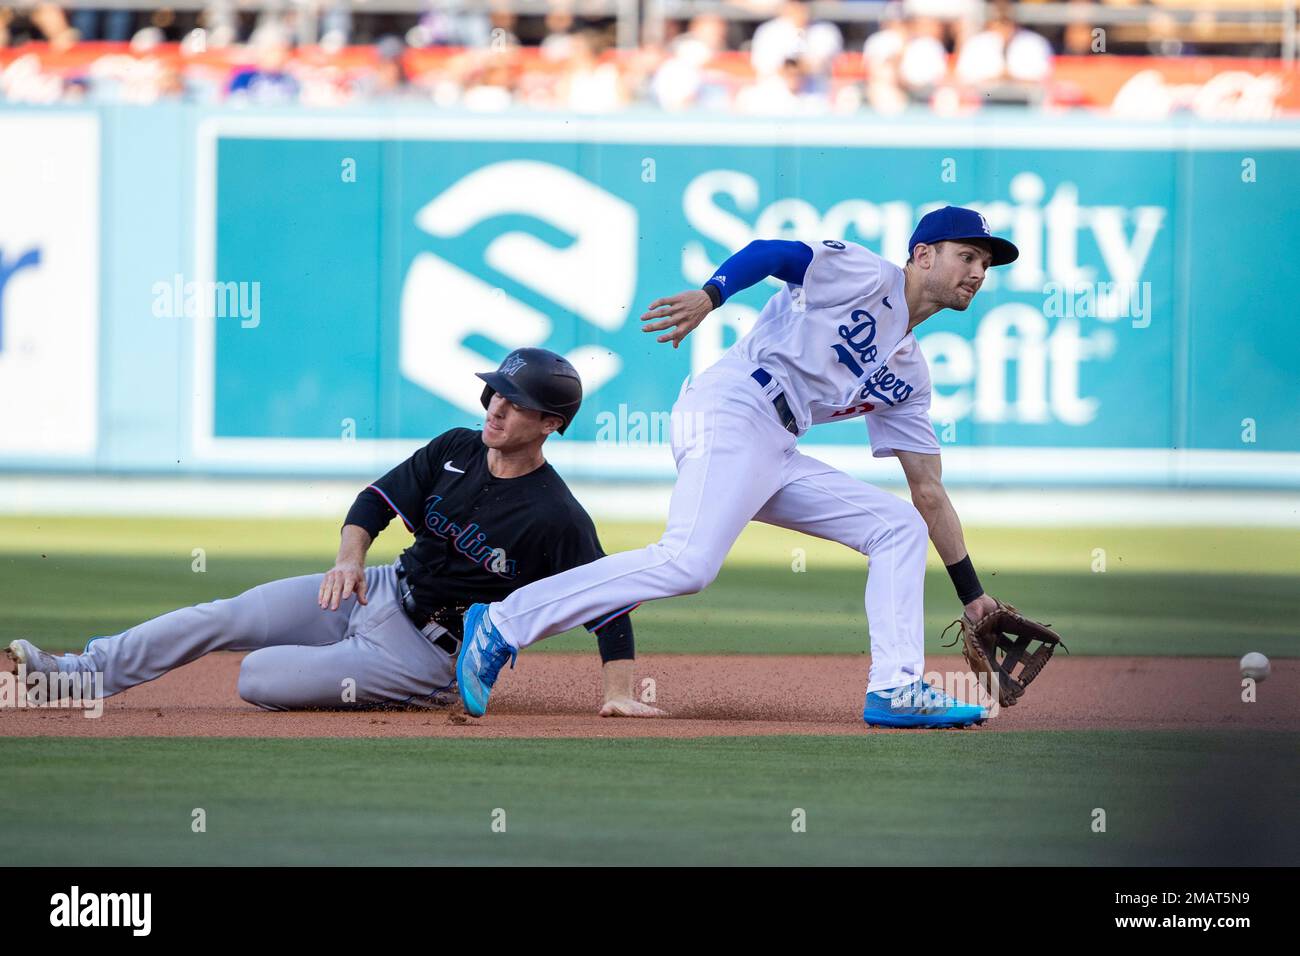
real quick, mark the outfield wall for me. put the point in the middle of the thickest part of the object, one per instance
(188, 291)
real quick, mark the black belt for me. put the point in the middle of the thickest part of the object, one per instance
(449, 617)
(763, 377)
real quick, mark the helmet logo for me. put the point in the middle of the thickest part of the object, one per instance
(511, 365)
(984, 224)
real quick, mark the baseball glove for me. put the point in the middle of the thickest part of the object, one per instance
(992, 635)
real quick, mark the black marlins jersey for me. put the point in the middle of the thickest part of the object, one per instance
(477, 537)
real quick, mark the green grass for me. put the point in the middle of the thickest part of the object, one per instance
(1203, 591)
(891, 799)
(960, 798)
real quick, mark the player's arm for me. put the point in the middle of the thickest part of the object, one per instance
(785, 259)
(925, 482)
(396, 494)
(579, 545)
(614, 640)
(348, 575)
(618, 662)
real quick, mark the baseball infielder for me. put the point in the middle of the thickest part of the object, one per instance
(835, 342)
(488, 515)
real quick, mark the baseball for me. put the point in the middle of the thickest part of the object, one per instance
(1255, 666)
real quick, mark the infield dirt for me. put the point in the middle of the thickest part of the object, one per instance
(557, 695)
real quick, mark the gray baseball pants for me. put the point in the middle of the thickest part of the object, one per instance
(302, 656)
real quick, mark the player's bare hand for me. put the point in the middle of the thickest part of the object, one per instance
(979, 607)
(681, 313)
(341, 582)
(627, 707)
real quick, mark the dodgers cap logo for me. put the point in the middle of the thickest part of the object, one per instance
(954, 223)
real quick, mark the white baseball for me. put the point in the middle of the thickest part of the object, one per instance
(1255, 666)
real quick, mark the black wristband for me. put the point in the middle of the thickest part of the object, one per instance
(714, 294)
(965, 580)
(615, 640)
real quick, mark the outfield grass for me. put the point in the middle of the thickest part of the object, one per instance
(1164, 590)
(940, 798)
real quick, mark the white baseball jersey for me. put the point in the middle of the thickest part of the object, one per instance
(840, 347)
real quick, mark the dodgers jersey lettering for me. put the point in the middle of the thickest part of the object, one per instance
(839, 345)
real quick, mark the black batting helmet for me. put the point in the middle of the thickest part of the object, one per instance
(537, 379)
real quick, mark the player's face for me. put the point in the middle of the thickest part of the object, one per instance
(507, 426)
(957, 273)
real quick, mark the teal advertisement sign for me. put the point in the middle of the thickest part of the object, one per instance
(393, 267)
(293, 292)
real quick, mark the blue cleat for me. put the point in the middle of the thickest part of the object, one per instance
(919, 705)
(482, 653)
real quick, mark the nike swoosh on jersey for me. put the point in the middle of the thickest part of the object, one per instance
(885, 299)
(448, 466)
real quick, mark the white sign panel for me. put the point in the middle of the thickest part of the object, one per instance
(49, 284)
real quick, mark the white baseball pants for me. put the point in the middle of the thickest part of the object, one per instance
(736, 463)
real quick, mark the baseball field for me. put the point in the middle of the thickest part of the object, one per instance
(1139, 747)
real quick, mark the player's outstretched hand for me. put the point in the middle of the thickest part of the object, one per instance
(681, 313)
(627, 707)
(341, 582)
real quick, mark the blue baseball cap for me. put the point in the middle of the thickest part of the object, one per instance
(955, 223)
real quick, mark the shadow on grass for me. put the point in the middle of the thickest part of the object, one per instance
(62, 601)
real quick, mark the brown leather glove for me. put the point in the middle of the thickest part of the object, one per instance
(992, 635)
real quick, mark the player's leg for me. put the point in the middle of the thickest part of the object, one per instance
(382, 658)
(278, 612)
(725, 440)
(823, 501)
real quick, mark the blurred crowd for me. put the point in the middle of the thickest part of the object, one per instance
(952, 55)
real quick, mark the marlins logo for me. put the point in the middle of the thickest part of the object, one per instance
(512, 365)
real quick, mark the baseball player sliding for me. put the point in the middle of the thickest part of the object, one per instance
(835, 342)
(488, 515)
